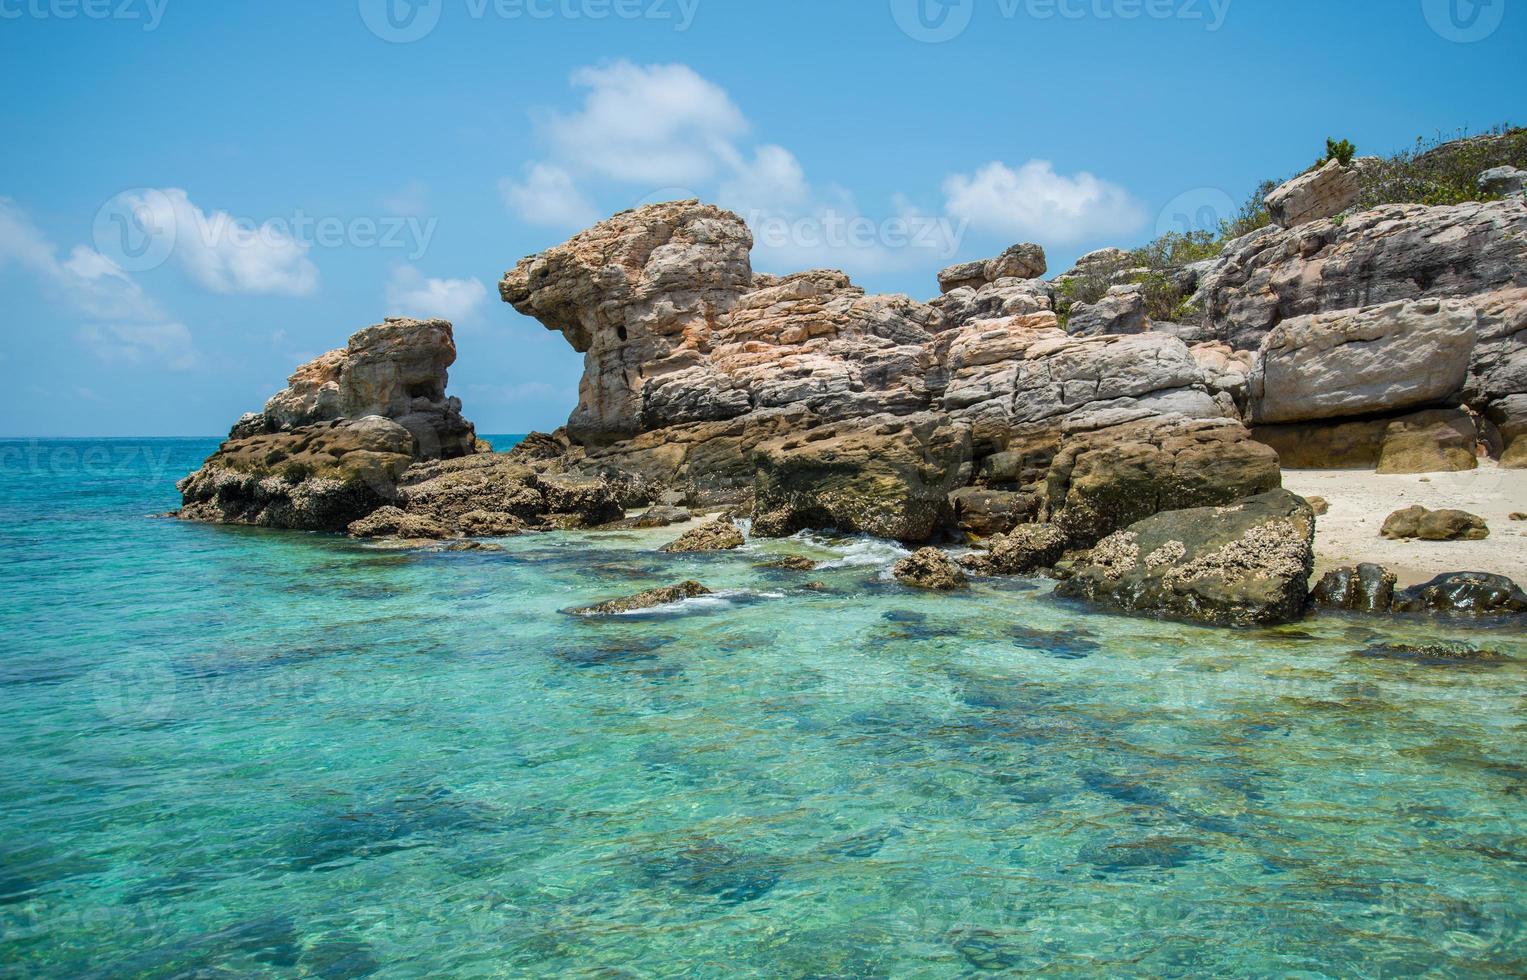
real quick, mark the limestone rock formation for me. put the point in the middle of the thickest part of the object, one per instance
(930, 568)
(330, 448)
(1245, 564)
(1320, 193)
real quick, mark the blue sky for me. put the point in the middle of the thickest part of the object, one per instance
(322, 165)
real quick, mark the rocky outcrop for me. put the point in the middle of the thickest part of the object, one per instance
(1024, 261)
(1319, 193)
(1434, 525)
(319, 477)
(651, 599)
(331, 447)
(1503, 181)
(396, 370)
(714, 536)
(1245, 564)
(495, 494)
(1371, 258)
(930, 568)
(391, 522)
(1357, 362)
(886, 476)
(981, 512)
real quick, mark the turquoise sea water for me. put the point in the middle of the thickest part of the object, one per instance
(233, 752)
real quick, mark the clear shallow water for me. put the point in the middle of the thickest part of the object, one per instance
(236, 752)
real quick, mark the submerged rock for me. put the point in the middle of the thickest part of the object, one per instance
(929, 568)
(1244, 564)
(794, 563)
(1434, 525)
(715, 536)
(644, 600)
(1433, 653)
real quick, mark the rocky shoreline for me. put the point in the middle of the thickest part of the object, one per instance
(1138, 461)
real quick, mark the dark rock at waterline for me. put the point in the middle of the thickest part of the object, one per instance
(1368, 588)
(1025, 549)
(654, 517)
(1464, 594)
(1245, 564)
(793, 563)
(643, 600)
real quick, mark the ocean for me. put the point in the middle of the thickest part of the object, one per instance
(238, 752)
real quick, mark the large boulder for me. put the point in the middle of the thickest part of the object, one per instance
(1027, 549)
(1244, 564)
(1356, 362)
(886, 476)
(1105, 480)
(713, 536)
(1022, 261)
(1319, 193)
(1434, 525)
(1367, 588)
(1121, 310)
(930, 568)
(499, 493)
(1431, 441)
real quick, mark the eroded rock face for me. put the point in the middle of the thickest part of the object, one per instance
(886, 476)
(1245, 564)
(1388, 254)
(1121, 310)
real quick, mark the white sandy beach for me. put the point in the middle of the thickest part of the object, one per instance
(1361, 499)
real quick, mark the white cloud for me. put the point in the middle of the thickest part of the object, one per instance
(547, 196)
(226, 254)
(409, 293)
(89, 282)
(1036, 202)
(654, 124)
(168, 344)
